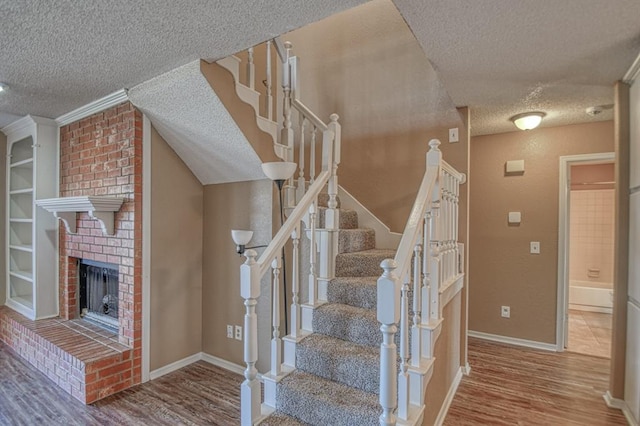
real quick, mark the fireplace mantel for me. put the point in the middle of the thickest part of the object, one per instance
(100, 208)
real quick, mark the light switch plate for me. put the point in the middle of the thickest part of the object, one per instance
(453, 135)
(535, 247)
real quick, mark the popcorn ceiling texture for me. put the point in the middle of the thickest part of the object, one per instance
(59, 55)
(191, 118)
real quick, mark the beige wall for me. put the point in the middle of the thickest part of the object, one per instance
(365, 65)
(502, 272)
(176, 257)
(3, 208)
(240, 205)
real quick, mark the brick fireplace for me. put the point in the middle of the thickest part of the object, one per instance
(100, 155)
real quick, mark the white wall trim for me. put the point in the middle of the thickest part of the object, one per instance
(513, 341)
(444, 409)
(222, 363)
(146, 248)
(200, 356)
(629, 416)
(98, 105)
(613, 402)
(563, 236)
(177, 365)
(633, 73)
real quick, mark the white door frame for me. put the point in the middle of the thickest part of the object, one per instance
(566, 162)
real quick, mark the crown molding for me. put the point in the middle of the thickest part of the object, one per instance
(91, 108)
(633, 73)
(24, 122)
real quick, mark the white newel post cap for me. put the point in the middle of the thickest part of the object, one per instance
(434, 155)
(388, 293)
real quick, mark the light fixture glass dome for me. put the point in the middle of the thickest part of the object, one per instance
(279, 170)
(528, 120)
(241, 236)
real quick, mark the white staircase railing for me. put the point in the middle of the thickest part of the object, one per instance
(296, 136)
(428, 261)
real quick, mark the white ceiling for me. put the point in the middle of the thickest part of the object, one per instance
(497, 57)
(502, 57)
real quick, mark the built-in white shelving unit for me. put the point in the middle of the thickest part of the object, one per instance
(31, 231)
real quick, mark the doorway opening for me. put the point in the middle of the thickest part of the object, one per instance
(585, 264)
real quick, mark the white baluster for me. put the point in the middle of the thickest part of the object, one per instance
(276, 342)
(312, 156)
(269, 97)
(295, 285)
(426, 265)
(251, 70)
(250, 388)
(313, 277)
(388, 314)
(333, 181)
(416, 341)
(301, 177)
(403, 375)
(435, 277)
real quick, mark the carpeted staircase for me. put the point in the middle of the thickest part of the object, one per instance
(336, 381)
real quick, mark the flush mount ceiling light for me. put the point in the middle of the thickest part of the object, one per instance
(528, 120)
(3, 87)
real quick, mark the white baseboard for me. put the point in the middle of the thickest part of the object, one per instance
(200, 356)
(587, 308)
(222, 363)
(449, 398)
(466, 369)
(177, 365)
(513, 341)
(613, 402)
(627, 414)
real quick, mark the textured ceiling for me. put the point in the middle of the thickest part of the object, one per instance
(191, 118)
(58, 55)
(502, 57)
(497, 57)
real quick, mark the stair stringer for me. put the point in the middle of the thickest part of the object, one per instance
(252, 98)
(224, 84)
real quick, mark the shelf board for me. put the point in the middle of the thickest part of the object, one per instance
(21, 248)
(16, 220)
(21, 163)
(21, 191)
(25, 275)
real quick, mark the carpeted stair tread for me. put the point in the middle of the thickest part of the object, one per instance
(362, 263)
(353, 240)
(360, 292)
(280, 419)
(334, 359)
(346, 322)
(348, 218)
(318, 401)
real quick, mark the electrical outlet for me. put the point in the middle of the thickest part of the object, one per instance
(229, 332)
(453, 135)
(238, 332)
(534, 247)
(505, 311)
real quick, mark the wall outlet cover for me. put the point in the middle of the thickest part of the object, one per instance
(505, 311)
(238, 332)
(229, 332)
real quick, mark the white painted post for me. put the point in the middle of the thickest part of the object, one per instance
(295, 273)
(388, 313)
(334, 126)
(301, 158)
(276, 342)
(269, 97)
(435, 279)
(313, 277)
(312, 156)
(416, 341)
(287, 132)
(403, 375)
(251, 70)
(250, 388)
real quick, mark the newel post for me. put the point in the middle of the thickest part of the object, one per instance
(388, 315)
(250, 291)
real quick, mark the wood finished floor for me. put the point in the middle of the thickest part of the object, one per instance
(507, 386)
(590, 333)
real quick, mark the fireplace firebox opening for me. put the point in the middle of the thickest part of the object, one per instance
(99, 289)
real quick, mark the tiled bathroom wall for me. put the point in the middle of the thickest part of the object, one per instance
(591, 243)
